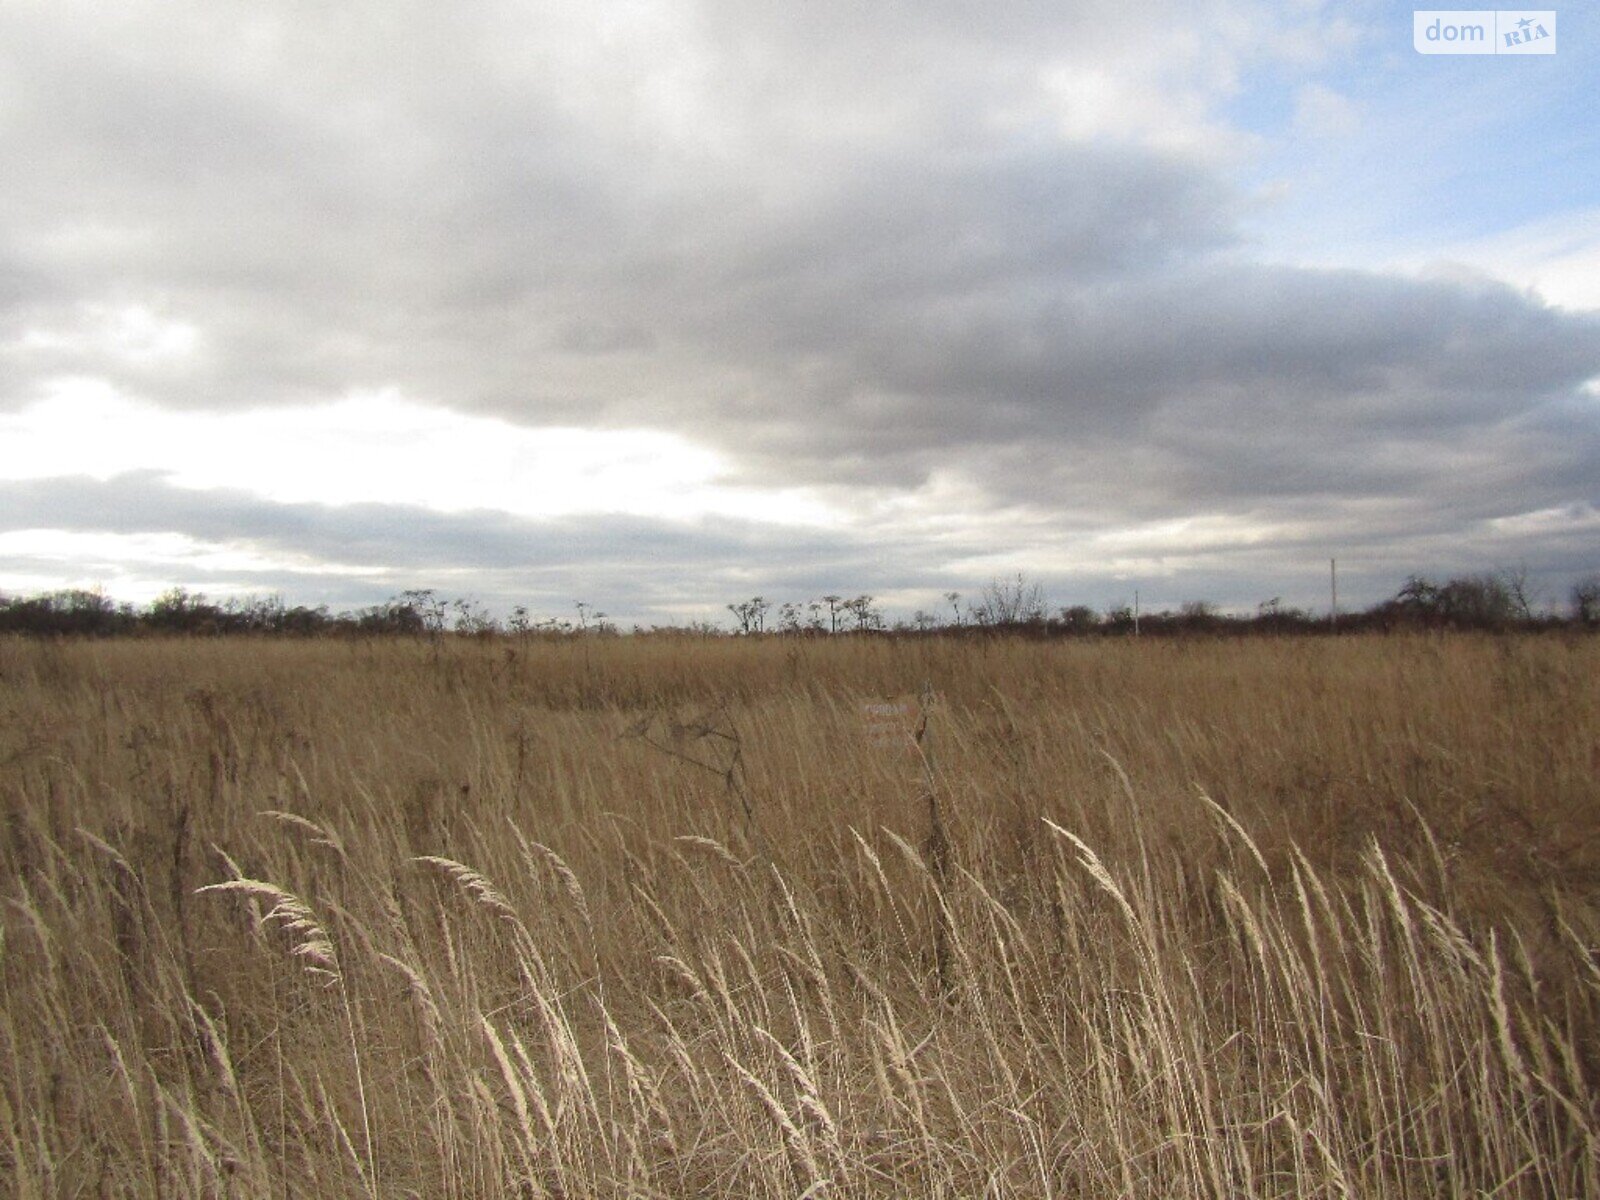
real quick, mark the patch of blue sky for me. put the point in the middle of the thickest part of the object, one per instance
(1383, 151)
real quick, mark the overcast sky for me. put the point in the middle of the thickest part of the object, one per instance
(661, 304)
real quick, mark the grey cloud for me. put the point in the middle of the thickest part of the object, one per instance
(432, 227)
(639, 569)
(838, 262)
(1225, 384)
(632, 565)
(369, 534)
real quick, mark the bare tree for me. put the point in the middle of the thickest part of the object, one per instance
(1523, 594)
(428, 606)
(833, 603)
(861, 609)
(1586, 600)
(1482, 601)
(473, 618)
(955, 606)
(751, 614)
(1009, 602)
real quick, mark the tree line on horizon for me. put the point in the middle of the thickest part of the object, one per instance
(1488, 601)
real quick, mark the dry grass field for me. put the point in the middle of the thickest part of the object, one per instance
(671, 917)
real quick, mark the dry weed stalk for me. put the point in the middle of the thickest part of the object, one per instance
(1324, 923)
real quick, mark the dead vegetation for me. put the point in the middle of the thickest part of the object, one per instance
(668, 918)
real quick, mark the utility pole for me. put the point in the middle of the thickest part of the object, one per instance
(1333, 583)
(1135, 612)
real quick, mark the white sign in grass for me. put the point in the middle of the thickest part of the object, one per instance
(897, 727)
(890, 724)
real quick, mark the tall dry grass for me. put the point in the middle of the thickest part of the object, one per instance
(664, 918)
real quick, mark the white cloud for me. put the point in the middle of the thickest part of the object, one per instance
(130, 334)
(377, 447)
(1556, 257)
(163, 552)
(1322, 112)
